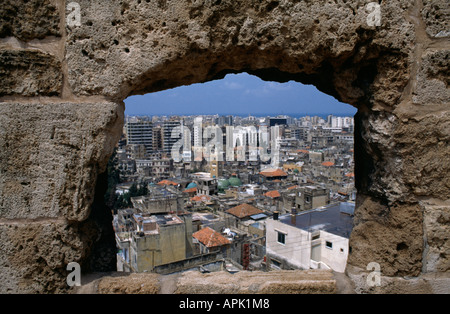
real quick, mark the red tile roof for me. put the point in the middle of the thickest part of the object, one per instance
(201, 198)
(328, 163)
(167, 182)
(191, 190)
(244, 210)
(273, 173)
(272, 194)
(210, 238)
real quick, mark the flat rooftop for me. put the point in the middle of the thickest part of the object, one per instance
(160, 219)
(336, 219)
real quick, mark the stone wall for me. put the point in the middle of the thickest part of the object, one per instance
(61, 110)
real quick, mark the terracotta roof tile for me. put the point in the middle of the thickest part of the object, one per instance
(272, 194)
(167, 182)
(201, 198)
(273, 173)
(210, 238)
(244, 210)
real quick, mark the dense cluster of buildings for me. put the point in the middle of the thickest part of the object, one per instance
(207, 211)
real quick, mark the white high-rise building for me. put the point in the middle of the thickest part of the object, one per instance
(341, 122)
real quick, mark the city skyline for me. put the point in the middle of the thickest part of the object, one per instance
(238, 94)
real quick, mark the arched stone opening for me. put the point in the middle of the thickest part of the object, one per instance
(60, 121)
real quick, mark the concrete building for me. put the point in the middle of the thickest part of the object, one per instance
(206, 185)
(159, 200)
(310, 197)
(157, 139)
(271, 174)
(170, 136)
(240, 216)
(341, 122)
(210, 240)
(313, 239)
(215, 168)
(153, 241)
(140, 132)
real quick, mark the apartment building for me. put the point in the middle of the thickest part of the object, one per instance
(169, 135)
(317, 238)
(140, 132)
(152, 240)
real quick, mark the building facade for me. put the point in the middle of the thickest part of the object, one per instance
(140, 132)
(314, 239)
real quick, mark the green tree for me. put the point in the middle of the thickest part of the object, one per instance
(143, 189)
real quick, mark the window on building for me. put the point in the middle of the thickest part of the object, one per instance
(328, 244)
(276, 264)
(281, 237)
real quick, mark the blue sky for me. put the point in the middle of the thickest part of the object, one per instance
(238, 94)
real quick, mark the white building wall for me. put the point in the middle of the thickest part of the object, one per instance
(336, 256)
(297, 248)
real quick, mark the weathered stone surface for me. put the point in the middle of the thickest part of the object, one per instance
(287, 282)
(390, 235)
(378, 167)
(32, 19)
(34, 254)
(436, 14)
(194, 282)
(433, 79)
(51, 155)
(129, 47)
(405, 156)
(29, 73)
(437, 231)
(132, 284)
(422, 145)
(431, 283)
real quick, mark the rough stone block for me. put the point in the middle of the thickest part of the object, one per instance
(132, 284)
(29, 73)
(391, 236)
(422, 143)
(431, 283)
(244, 282)
(26, 20)
(433, 79)
(437, 230)
(139, 47)
(51, 155)
(286, 282)
(436, 14)
(34, 254)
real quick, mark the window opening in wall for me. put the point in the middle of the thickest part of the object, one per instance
(281, 237)
(205, 167)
